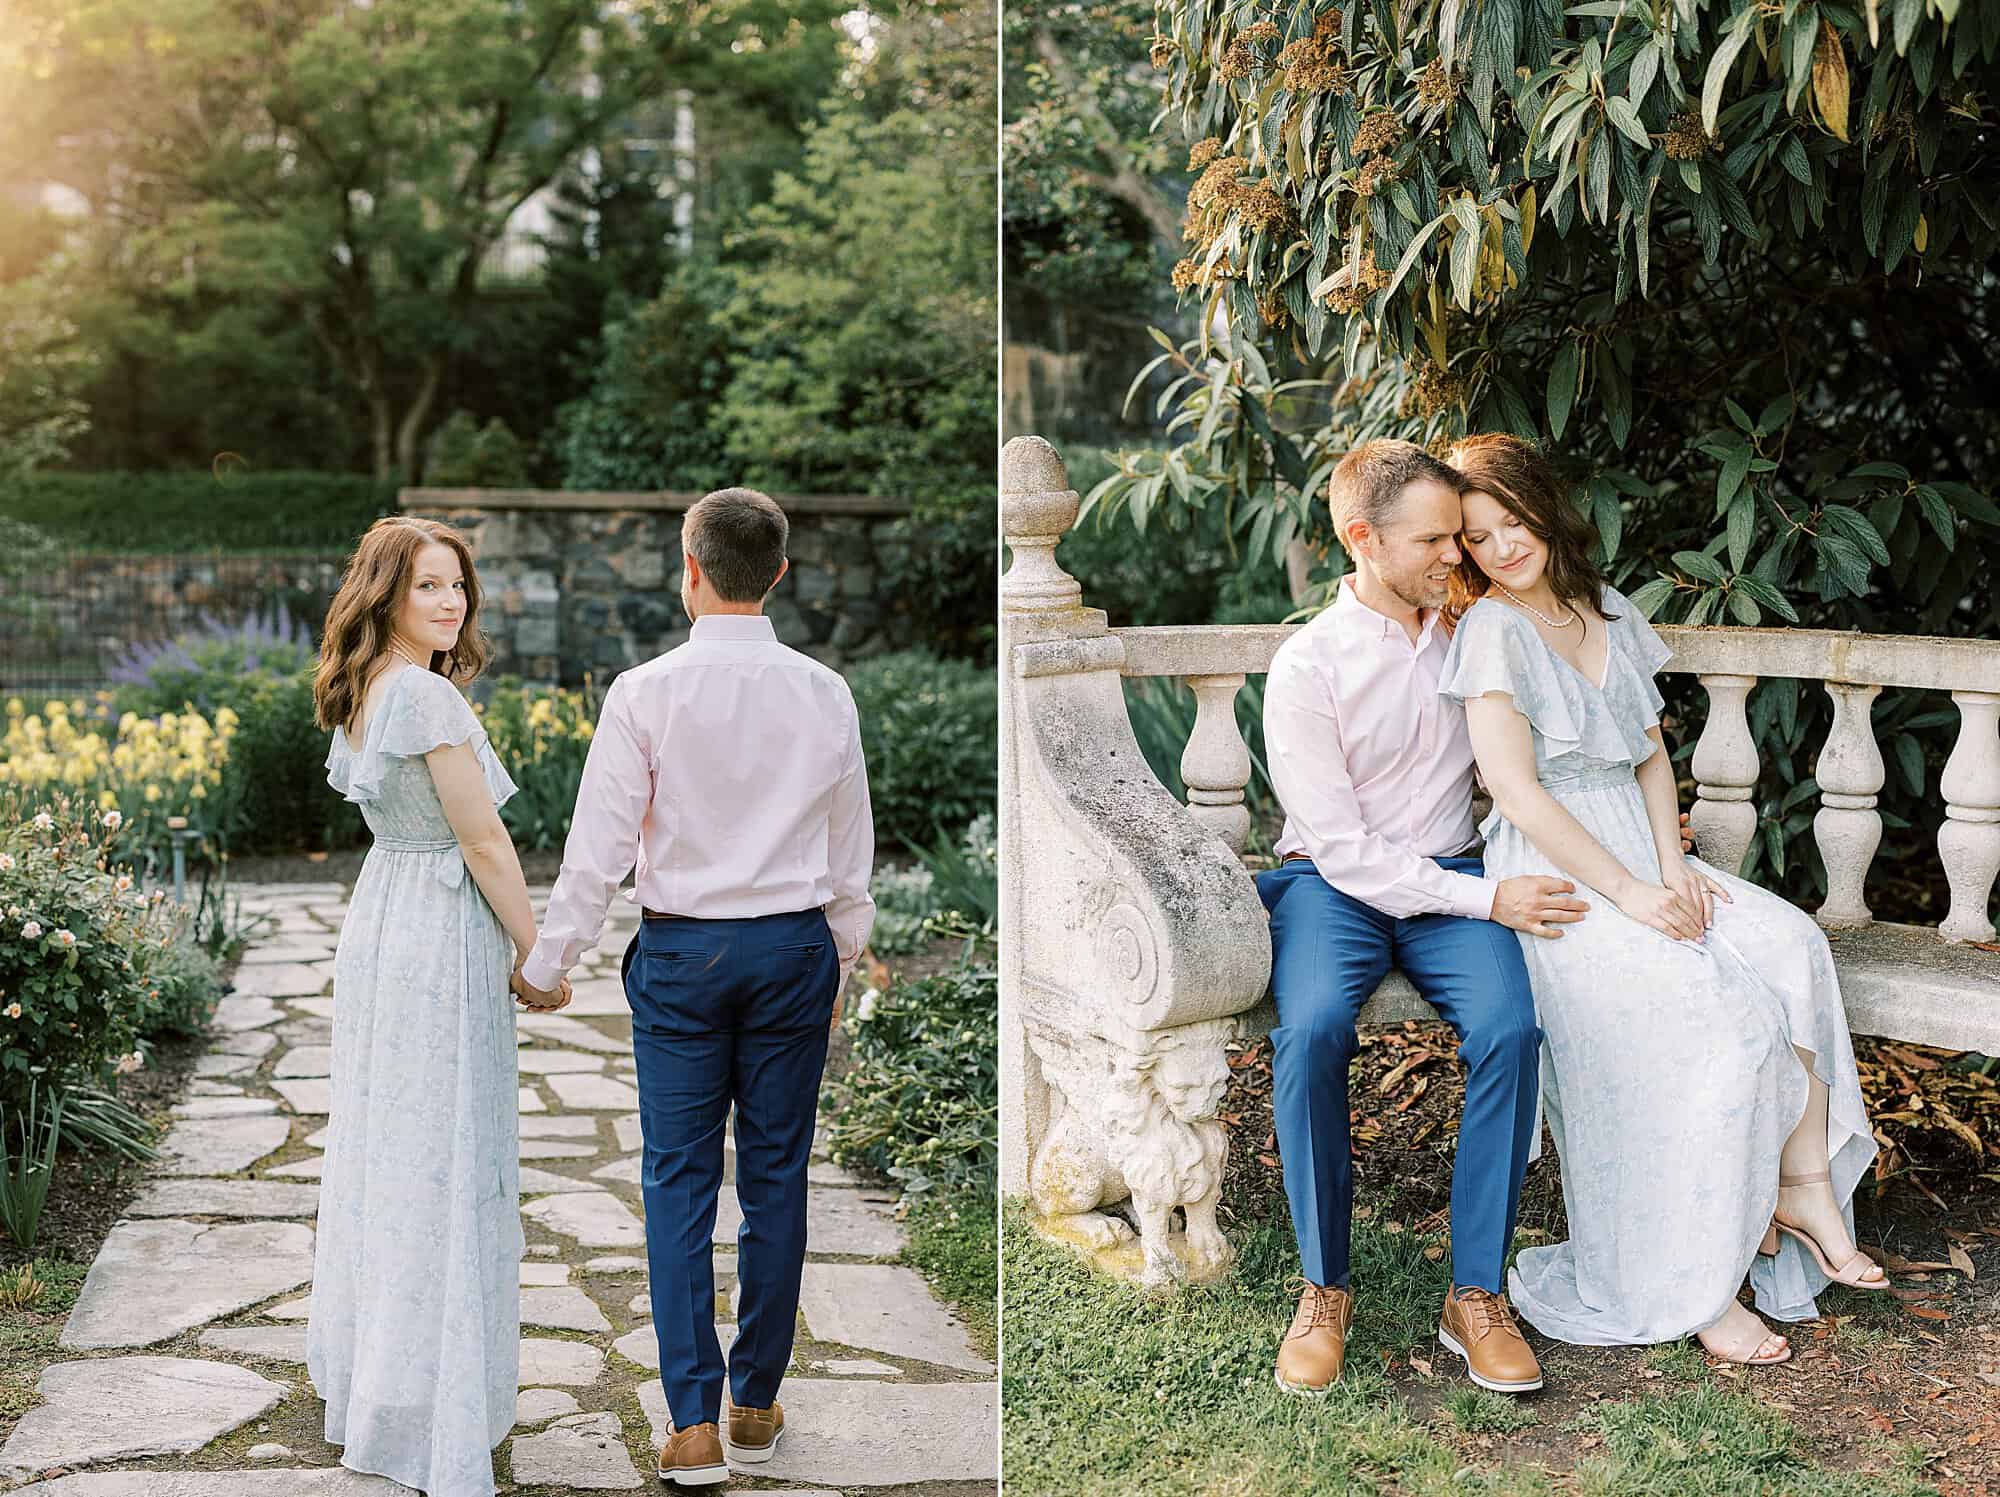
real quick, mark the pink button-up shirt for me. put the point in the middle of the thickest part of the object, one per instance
(1372, 766)
(730, 770)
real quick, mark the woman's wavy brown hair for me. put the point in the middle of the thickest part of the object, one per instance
(364, 610)
(1521, 478)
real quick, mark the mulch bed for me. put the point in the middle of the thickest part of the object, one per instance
(1921, 1366)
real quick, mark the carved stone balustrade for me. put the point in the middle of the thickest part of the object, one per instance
(1134, 947)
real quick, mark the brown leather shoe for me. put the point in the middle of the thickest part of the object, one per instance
(753, 1433)
(1480, 1327)
(693, 1457)
(1315, 1348)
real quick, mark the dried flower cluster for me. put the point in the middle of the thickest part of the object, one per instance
(1237, 60)
(1434, 389)
(1350, 291)
(1261, 31)
(1435, 86)
(1263, 209)
(1162, 52)
(1310, 68)
(1376, 174)
(1187, 274)
(1326, 26)
(1218, 186)
(1271, 307)
(1204, 152)
(1685, 139)
(1378, 133)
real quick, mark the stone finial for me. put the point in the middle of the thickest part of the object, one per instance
(1037, 508)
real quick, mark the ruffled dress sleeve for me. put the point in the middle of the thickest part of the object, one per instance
(421, 711)
(1644, 651)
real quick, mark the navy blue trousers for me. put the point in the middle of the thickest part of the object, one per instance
(727, 1012)
(1328, 953)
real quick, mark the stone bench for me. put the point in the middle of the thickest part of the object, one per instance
(1135, 949)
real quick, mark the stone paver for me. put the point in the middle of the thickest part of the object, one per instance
(283, 980)
(579, 1452)
(837, 1221)
(567, 1364)
(211, 1271)
(332, 1481)
(225, 1107)
(880, 1307)
(219, 1146)
(833, 1431)
(279, 1343)
(594, 1093)
(167, 1270)
(240, 1198)
(308, 1097)
(562, 1309)
(117, 1408)
(548, 1062)
(239, 1012)
(593, 1218)
(305, 1060)
(539, 1405)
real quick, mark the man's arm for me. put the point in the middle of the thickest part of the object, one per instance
(611, 806)
(850, 851)
(1309, 772)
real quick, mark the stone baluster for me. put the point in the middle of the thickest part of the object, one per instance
(1215, 766)
(1725, 774)
(1969, 840)
(1848, 828)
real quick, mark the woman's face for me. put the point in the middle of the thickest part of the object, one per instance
(433, 609)
(1499, 544)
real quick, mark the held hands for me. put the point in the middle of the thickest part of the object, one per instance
(1537, 905)
(1681, 905)
(536, 1000)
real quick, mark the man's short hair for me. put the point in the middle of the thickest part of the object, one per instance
(1368, 481)
(738, 536)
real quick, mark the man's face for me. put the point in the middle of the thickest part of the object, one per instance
(1416, 546)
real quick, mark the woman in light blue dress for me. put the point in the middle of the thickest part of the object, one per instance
(1697, 1073)
(414, 1335)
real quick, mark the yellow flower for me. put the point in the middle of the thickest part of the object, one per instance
(152, 794)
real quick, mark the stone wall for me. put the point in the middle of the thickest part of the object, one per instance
(580, 583)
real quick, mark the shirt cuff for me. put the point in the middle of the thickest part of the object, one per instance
(538, 972)
(1473, 898)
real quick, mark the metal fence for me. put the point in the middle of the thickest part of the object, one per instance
(69, 627)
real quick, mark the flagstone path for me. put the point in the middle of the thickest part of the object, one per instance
(186, 1377)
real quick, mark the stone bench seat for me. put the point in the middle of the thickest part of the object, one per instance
(1899, 982)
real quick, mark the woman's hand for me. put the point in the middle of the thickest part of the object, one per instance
(1696, 888)
(1663, 908)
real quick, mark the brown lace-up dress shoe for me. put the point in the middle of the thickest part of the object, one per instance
(753, 1433)
(693, 1457)
(1480, 1327)
(1315, 1348)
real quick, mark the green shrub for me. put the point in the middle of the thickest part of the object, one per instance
(217, 665)
(921, 1102)
(467, 455)
(77, 942)
(903, 904)
(542, 736)
(183, 984)
(928, 727)
(173, 512)
(274, 796)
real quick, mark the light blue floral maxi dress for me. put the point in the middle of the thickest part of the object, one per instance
(1669, 1080)
(414, 1338)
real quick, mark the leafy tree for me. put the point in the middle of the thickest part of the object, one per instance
(43, 367)
(351, 165)
(1730, 261)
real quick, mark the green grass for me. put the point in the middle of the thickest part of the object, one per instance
(953, 1242)
(1109, 1390)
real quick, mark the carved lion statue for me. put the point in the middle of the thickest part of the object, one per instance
(1141, 1126)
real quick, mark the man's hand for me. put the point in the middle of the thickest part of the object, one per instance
(539, 1000)
(1687, 835)
(1537, 905)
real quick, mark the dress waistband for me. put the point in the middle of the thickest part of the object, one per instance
(398, 844)
(1591, 779)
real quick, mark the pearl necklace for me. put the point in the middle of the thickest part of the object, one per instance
(396, 649)
(1574, 616)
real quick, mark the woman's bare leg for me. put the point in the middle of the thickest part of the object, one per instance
(1813, 1207)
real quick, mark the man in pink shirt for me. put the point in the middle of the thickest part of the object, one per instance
(729, 771)
(1381, 869)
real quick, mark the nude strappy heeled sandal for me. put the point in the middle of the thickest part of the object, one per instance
(1771, 1351)
(1848, 1273)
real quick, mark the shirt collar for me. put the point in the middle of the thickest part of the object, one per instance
(1357, 615)
(733, 626)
